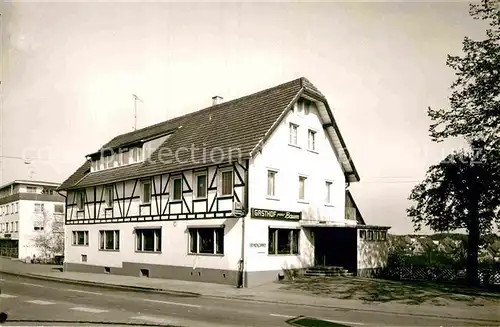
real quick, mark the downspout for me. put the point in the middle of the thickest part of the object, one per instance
(246, 210)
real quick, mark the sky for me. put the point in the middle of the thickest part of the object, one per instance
(69, 70)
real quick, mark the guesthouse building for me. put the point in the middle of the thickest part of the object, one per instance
(238, 193)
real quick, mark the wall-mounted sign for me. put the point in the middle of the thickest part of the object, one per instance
(6, 235)
(259, 247)
(275, 214)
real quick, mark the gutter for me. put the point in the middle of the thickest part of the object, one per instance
(242, 281)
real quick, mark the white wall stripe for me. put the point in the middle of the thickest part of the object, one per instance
(283, 316)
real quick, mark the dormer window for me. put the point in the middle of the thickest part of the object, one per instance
(117, 158)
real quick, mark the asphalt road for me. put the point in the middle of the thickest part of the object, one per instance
(37, 302)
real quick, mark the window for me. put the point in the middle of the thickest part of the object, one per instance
(370, 235)
(206, 240)
(271, 183)
(311, 140)
(16, 226)
(302, 187)
(383, 235)
(328, 190)
(16, 207)
(81, 237)
(293, 134)
(146, 192)
(59, 208)
(201, 185)
(109, 240)
(30, 189)
(362, 234)
(108, 196)
(148, 240)
(177, 188)
(307, 107)
(80, 199)
(126, 157)
(226, 187)
(39, 207)
(283, 241)
(7, 227)
(38, 228)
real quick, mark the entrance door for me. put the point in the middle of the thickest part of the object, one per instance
(321, 248)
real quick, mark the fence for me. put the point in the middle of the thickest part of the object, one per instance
(426, 273)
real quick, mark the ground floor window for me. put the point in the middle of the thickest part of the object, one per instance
(148, 240)
(81, 237)
(283, 241)
(109, 240)
(206, 240)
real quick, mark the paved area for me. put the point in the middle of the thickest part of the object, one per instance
(275, 294)
(40, 302)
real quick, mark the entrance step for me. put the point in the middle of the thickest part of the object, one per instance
(333, 271)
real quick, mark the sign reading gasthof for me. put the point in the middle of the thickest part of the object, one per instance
(275, 214)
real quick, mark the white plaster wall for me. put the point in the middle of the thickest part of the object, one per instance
(175, 242)
(290, 162)
(372, 254)
(9, 219)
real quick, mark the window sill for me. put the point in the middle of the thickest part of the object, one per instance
(109, 250)
(200, 198)
(313, 151)
(207, 254)
(329, 205)
(227, 196)
(272, 198)
(282, 255)
(303, 201)
(82, 245)
(295, 146)
(150, 252)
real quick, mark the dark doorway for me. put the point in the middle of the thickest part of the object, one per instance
(336, 246)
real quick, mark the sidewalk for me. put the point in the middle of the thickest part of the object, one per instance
(272, 293)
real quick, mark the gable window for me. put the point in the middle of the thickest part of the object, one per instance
(81, 237)
(293, 134)
(312, 140)
(226, 185)
(80, 199)
(39, 207)
(302, 187)
(177, 188)
(271, 183)
(148, 240)
(108, 196)
(283, 241)
(206, 240)
(328, 191)
(109, 240)
(58, 208)
(200, 185)
(146, 192)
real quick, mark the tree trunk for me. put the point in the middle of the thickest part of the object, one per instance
(472, 253)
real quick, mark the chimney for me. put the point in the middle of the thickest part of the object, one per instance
(216, 100)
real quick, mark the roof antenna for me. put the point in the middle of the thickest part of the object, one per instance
(135, 110)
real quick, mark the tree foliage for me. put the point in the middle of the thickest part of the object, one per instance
(50, 240)
(474, 110)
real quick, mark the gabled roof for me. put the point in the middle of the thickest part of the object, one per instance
(241, 124)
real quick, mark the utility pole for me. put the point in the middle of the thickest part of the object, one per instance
(135, 110)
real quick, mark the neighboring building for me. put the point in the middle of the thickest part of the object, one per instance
(26, 209)
(236, 193)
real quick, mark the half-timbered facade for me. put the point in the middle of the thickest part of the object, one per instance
(238, 193)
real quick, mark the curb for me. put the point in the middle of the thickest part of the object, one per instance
(105, 285)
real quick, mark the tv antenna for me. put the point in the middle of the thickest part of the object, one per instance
(135, 110)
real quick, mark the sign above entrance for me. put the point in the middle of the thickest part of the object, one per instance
(275, 214)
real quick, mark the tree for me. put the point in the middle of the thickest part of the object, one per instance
(463, 191)
(474, 111)
(460, 192)
(50, 236)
